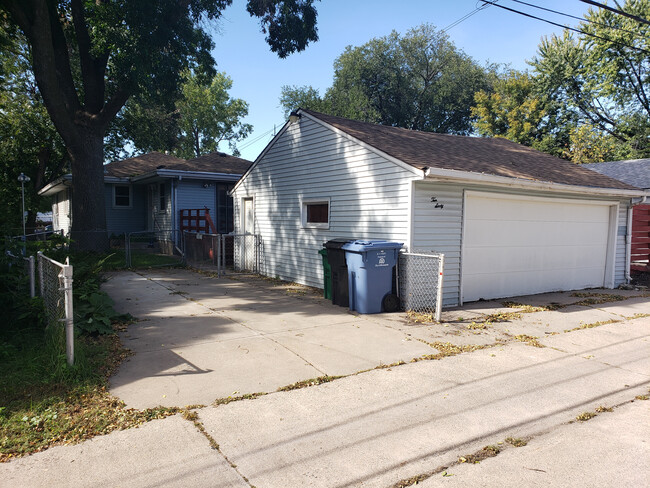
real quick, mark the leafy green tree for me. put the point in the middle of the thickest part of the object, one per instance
(418, 81)
(29, 142)
(203, 116)
(208, 116)
(516, 110)
(295, 97)
(89, 57)
(602, 76)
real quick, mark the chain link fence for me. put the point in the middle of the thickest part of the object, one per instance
(55, 281)
(420, 284)
(152, 249)
(225, 252)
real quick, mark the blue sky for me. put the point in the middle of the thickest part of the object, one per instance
(492, 34)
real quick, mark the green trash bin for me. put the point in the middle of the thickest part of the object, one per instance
(327, 275)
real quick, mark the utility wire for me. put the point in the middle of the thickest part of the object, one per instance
(617, 11)
(569, 28)
(575, 17)
(248, 143)
(466, 16)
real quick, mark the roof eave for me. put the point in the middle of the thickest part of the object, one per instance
(193, 175)
(465, 176)
(56, 186)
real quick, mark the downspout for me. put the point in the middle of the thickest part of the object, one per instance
(628, 237)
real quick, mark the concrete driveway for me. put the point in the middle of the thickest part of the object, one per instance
(199, 338)
(490, 376)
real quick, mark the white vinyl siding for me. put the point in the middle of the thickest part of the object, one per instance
(440, 229)
(62, 212)
(368, 197)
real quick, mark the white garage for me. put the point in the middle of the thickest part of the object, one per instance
(520, 245)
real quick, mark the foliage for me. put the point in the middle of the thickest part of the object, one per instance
(89, 58)
(294, 97)
(189, 124)
(28, 141)
(516, 110)
(207, 116)
(418, 81)
(601, 77)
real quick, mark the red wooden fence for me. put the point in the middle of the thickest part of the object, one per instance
(640, 238)
(197, 220)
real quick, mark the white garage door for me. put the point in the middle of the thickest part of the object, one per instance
(514, 245)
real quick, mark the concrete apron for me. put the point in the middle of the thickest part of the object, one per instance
(200, 338)
(387, 425)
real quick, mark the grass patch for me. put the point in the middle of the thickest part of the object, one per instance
(530, 340)
(117, 260)
(45, 402)
(503, 317)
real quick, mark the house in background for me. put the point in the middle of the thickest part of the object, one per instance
(148, 192)
(509, 219)
(633, 172)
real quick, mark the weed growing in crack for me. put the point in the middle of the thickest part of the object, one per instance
(583, 417)
(592, 325)
(307, 383)
(516, 441)
(602, 409)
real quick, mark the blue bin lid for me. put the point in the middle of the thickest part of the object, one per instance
(371, 245)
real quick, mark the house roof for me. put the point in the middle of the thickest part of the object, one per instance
(632, 171)
(217, 162)
(490, 156)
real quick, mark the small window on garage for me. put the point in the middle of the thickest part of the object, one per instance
(316, 213)
(122, 196)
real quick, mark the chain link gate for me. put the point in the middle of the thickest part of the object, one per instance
(56, 290)
(420, 283)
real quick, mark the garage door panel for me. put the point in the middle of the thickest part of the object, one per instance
(498, 233)
(512, 246)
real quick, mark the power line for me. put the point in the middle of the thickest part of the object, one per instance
(248, 143)
(582, 19)
(617, 11)
(568, 28)
(466, 16)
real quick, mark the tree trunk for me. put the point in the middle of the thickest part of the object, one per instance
(88, 204)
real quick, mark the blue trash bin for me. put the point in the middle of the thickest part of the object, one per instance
(370, 274)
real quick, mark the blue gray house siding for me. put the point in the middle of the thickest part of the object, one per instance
(121, 220)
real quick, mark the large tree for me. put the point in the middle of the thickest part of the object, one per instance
(90, 56)
(203, 117)
(418, 80)
(602, 75)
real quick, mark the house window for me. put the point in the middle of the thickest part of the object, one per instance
(316, 213)
(122, 196)
(163, 203)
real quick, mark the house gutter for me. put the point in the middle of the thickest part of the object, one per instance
(194, 175)
(628, 237)
(482, 178)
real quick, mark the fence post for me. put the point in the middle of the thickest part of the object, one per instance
(41, 282)
(439, 298)
(69, 318)
(32, 277)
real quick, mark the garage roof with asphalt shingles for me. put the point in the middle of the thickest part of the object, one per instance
(492, 156)
(217, 162)
(632, 171)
